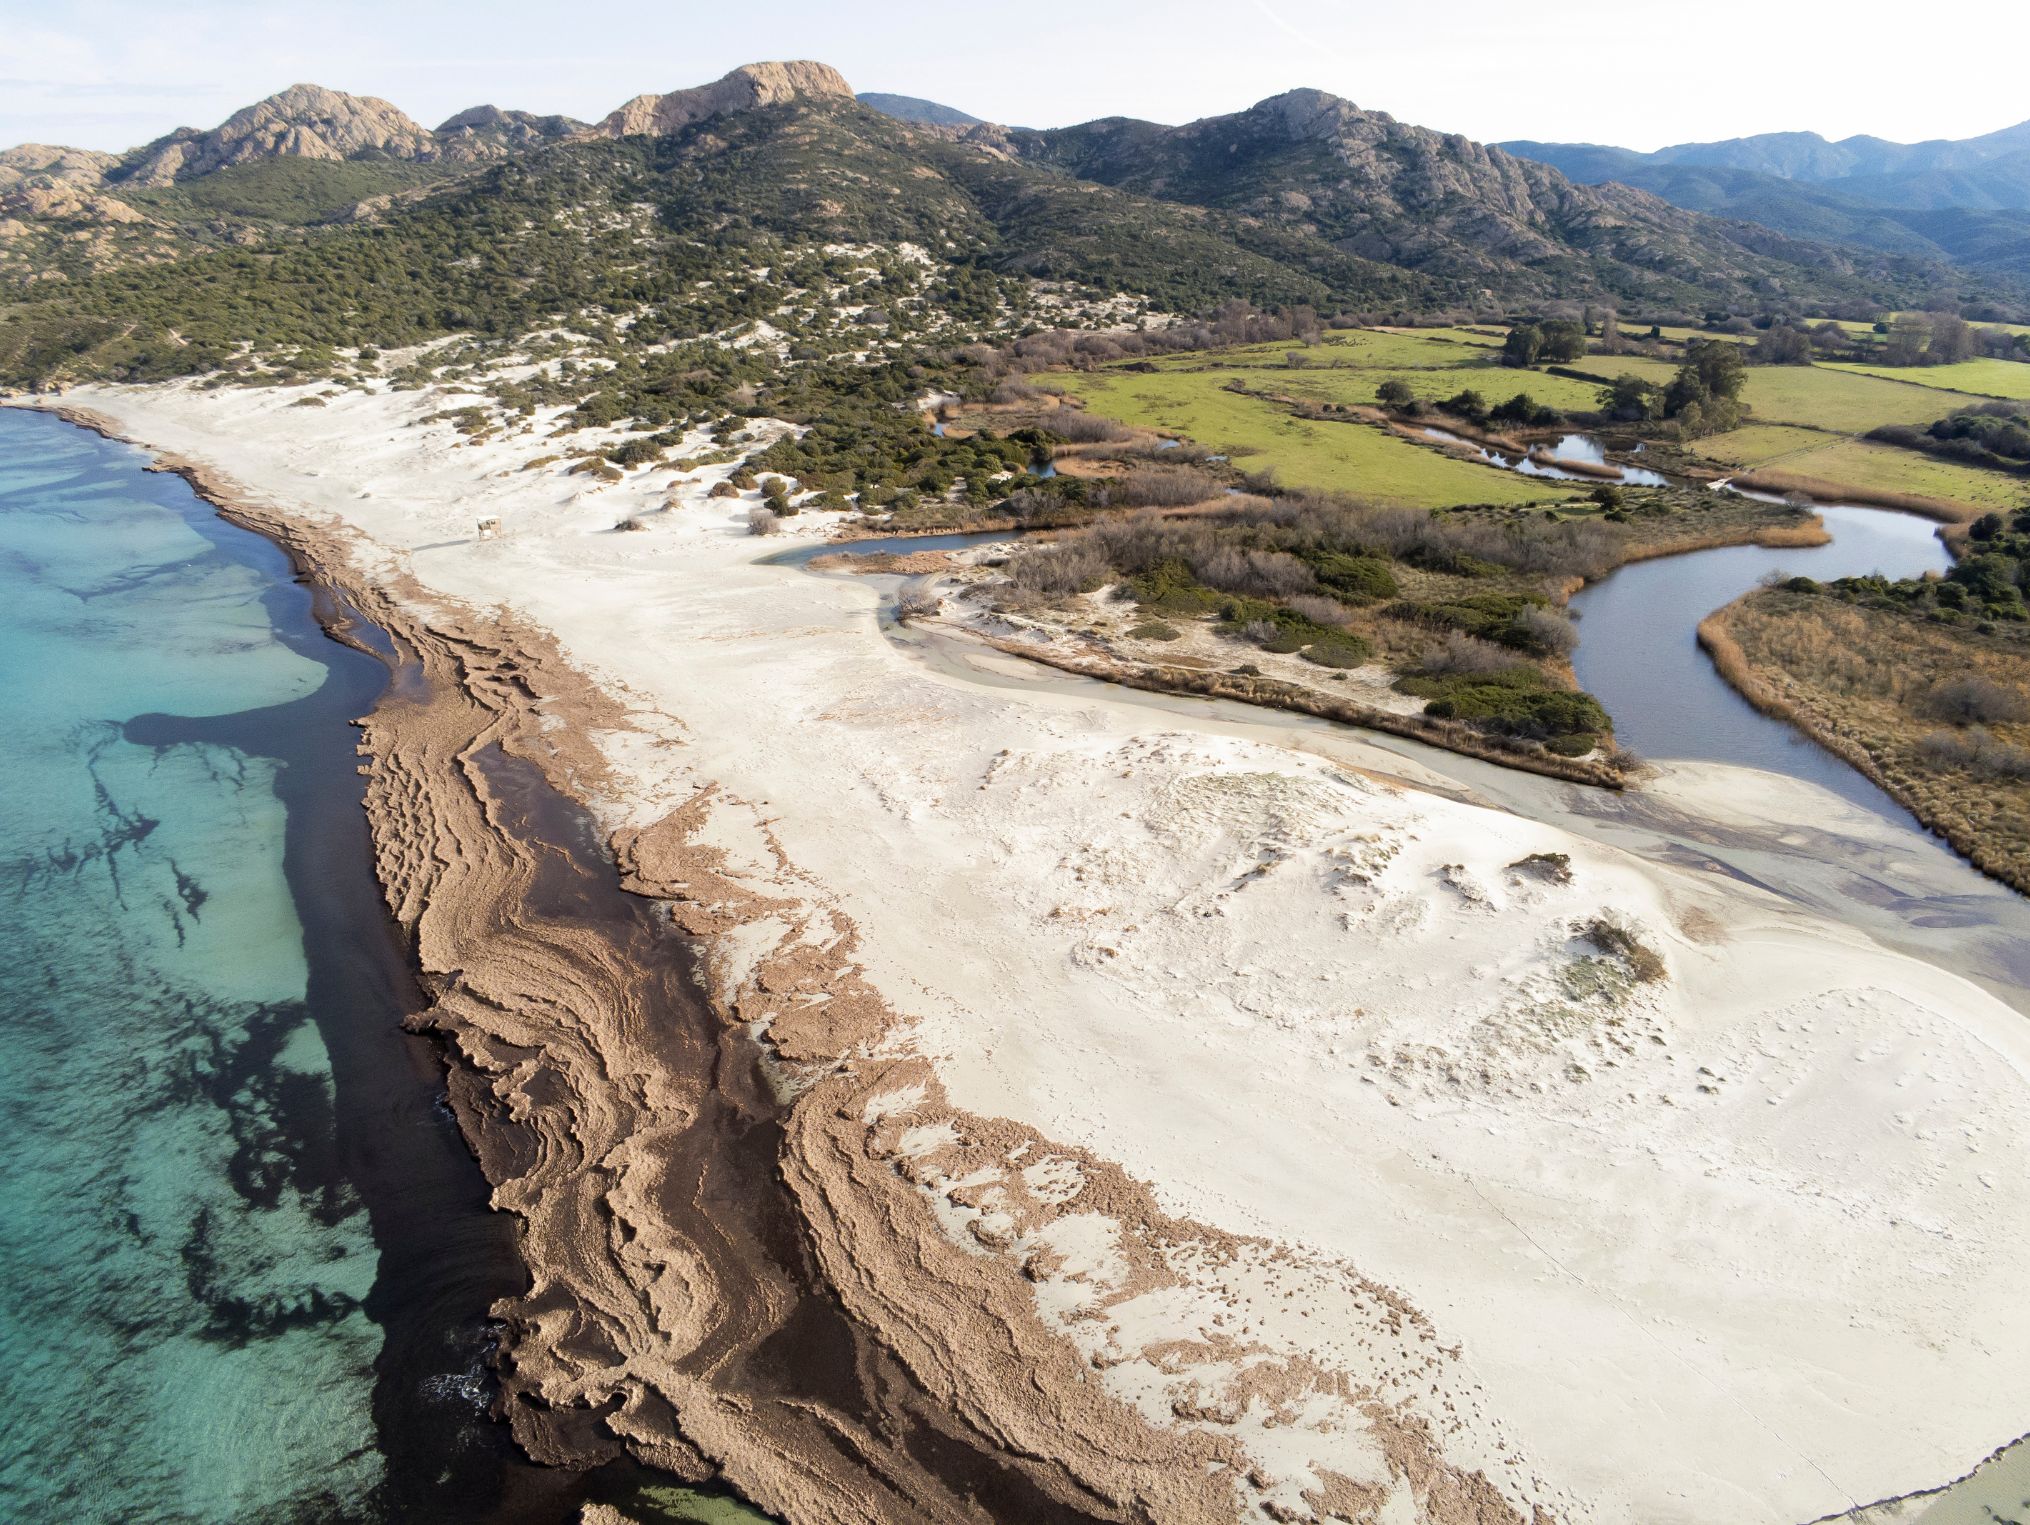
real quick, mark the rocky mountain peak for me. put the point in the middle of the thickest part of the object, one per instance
(744, 89)
(53, 164)
(304, 121)
(1313, 114)
(488, 132)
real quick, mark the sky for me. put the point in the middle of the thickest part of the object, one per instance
(109, 74)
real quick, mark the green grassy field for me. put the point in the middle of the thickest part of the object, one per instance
(1982, 378)
(1493, 382)
(1826, 399)
(1363, 347)
(1842, 399)
(1802, 419)
(1480, 338)
(2007, 328)
(1755, 444)
(1885, 468)
(1347, 366)
(1346, 457)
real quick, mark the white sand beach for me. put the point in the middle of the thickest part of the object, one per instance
(1733, 1242)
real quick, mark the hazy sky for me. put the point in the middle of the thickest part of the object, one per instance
(112, 73)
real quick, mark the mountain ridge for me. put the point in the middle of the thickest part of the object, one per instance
(1964, 201)
(1311, 193)
(304, 121)
(1440, 203)
(914, 108)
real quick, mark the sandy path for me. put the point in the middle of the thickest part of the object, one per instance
(1447, 1216)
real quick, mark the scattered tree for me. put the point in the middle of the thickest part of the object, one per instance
(1523, 347)
(1563, 340)
(1783, 344)
(1631, 399)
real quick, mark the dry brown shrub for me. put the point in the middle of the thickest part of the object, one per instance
(1970, 699)
(1076, 428)
(1319, 610)
(1160, 487)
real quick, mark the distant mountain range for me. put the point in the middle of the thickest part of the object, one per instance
(1302, 198)
(1966, 200)
(912, 108)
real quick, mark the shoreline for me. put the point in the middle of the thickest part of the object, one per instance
(481, 676)
(919, 1220)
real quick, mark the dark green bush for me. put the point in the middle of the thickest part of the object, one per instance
(1359, 579)
(1516, 701)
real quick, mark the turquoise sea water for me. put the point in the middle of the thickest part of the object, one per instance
(183, 1334)
(246, 1261)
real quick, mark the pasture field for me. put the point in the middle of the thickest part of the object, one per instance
(2007, 328)
(1348, 366)
(1803, 420)
(1398, 349)
(1758, 444)
(1674, 335)
(1493, 382)
(1356, 458)
(1885, 468)
(1480, 338)
(1844, 399)
(2008, 379)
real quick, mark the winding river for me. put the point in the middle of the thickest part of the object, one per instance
(1639, 653)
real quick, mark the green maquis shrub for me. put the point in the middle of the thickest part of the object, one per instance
(1338, 650)
(1515, 701)
(639, 451)
(1491, 616)
(1358, 579)
(601, 408)
(1170, 588)
(1278, 628)
(1990, 577)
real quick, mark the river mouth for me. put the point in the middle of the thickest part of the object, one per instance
(1638, 651)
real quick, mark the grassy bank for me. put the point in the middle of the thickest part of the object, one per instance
(1935, 714)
